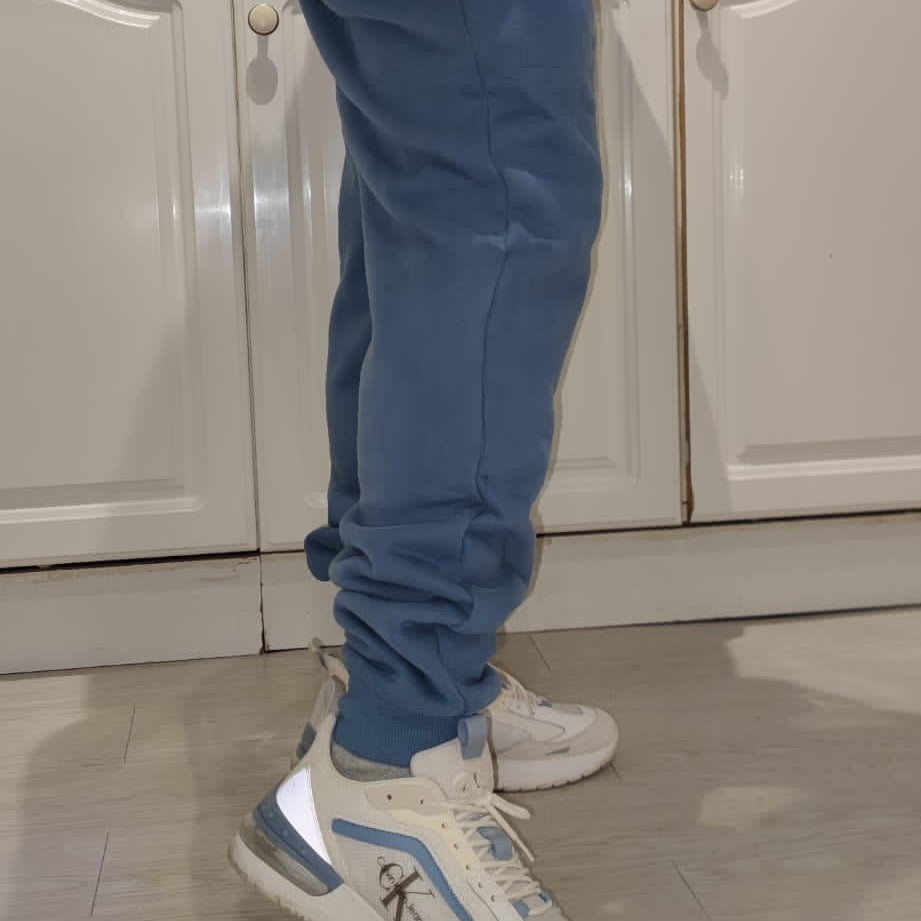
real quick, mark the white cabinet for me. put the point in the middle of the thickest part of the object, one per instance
(291, 153)
(124, 387)
(804, 227)
(616, 462)
(154, 153)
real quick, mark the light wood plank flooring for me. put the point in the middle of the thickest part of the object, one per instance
(770, 770)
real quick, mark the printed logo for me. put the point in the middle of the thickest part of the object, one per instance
(397, 885)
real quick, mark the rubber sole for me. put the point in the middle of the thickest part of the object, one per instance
(340, 904)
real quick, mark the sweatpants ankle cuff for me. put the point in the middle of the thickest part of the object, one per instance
(369, 729)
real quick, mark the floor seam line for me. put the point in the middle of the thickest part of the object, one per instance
(105, 850)
(690, 889)
(134, 711)
(536, 645)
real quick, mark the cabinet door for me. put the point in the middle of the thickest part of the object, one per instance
(616, 461)
(804, 227)
(124, 392)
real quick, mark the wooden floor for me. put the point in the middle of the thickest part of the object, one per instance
(770, 770)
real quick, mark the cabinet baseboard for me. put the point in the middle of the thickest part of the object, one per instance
(76, 617)
(701, 572)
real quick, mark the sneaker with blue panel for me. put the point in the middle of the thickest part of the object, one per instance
(432, 843)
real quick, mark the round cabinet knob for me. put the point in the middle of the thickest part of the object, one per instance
(263, 19)
(704, 5)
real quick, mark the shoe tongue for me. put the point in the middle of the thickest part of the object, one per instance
(461, 767)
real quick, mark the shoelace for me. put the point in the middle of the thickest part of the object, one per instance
(334, 666)
(511, 876)
(518, 692)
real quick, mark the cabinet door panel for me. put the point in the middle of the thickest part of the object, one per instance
(617, 463)
(292, 152)
(124, 391)
(804, 225)
(616, 460)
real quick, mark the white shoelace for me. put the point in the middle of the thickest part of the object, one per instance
(511, 876)
(334, 666)
(517, 692)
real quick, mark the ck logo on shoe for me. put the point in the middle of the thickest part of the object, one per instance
(398, 891)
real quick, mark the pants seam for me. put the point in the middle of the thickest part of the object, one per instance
(462, 5)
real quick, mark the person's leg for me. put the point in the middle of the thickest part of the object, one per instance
(471, 126)
(349, 337)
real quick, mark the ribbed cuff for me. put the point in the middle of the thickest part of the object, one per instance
(371, 729)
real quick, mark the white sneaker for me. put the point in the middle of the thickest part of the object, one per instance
(540, 744)
(431, 846)
(537, 743)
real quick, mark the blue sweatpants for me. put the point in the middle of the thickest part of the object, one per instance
(470, 201)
